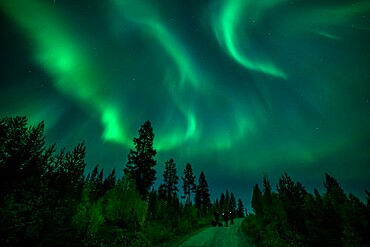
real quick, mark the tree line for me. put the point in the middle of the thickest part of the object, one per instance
(46, 198)
(290, 216)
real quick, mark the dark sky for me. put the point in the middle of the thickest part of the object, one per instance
(237, 88)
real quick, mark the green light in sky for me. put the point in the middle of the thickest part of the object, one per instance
(199, 102)
(225, 25)
(146, 17)
(113, 127)
(66, 60)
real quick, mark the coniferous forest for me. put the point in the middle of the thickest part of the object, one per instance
(49, 199)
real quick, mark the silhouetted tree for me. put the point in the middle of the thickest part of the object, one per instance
(357, 219)
(293, 196)
(227, 197)
(222, 201)
(23, 155)
(110, 181)
(335, 193)
(99, 182)
(299, 218)
(257, 200)
(170, 180)
(266, 189)
(94, 174)
(189, 186)
(225, 206)
(65, 187)
(141, 163)
(24, 175)
(216, 205)
(232, 204)
(95, 184)
(162, 191)
(202, 196)
(240, 210)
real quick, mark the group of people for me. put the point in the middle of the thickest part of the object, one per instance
(226, 216)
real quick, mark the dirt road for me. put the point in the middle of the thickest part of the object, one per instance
(230, 236)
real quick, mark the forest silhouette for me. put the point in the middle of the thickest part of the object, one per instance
(47, 198)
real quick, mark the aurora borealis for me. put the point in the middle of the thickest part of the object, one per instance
(235, 87)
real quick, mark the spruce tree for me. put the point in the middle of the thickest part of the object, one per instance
(92, 185)
(94, 174)
(266, 189)
(170, 180)
(292, 195)
(227, 196)
(240, 210)
(141, 162)
(257, 200)
(25, 168)
(335, 193)
(227, 202)
(162, 191)
(99, 183)
(232, 204)
(202, 196)
(222, 200)
(189, 186)
(110, 181)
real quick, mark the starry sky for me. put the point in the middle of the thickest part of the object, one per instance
(238, 88)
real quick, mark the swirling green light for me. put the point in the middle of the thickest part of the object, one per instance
(66, 60)
(145, 16)
(225, 25)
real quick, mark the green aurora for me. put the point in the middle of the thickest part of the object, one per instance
(235, 87)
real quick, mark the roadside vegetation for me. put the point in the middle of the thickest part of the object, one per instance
(48, 199)
(290, 216)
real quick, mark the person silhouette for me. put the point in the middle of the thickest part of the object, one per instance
(217, 217)
(225, 216)
(231, 218)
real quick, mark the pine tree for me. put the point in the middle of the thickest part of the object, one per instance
(356, 210)
(334, 192)
(226, 203)
(216, 205)
(94, 174)
(70, 171)
(99, 183)
(222, 201)
(162, 191)
(189, 186)
(110, 181)
(232, 204)
(25, 168)
(23, 156)
(257, 200)
(266, 189)
(170, 180)
(227, 197)
(95, 184)
(141, 163)
(293, 196)
(66, 188)
(240, 210)
(202, 196)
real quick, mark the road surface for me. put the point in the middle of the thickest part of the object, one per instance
(230, 236)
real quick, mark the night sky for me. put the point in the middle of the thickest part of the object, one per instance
(235, 87)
